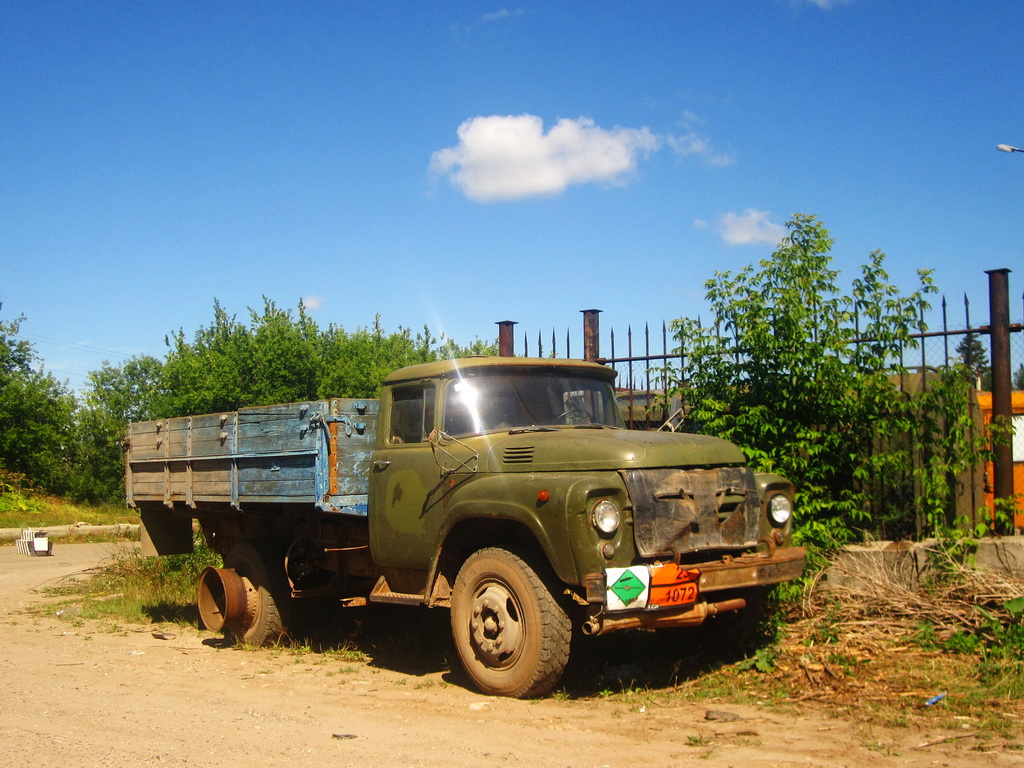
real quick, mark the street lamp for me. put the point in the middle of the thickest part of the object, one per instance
(1008, 148)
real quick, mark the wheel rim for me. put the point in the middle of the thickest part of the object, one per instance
(223, 600)
(496, 625)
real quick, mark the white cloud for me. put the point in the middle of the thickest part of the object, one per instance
(827, 5)
(691, 144)
(312, 302)
(501, 15)
(511, 157)
(747, 228)
(694, 143)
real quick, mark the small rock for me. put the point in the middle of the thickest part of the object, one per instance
(720, 716)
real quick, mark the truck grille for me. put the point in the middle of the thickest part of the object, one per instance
(683, 510)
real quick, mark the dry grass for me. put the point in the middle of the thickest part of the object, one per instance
(946, 594)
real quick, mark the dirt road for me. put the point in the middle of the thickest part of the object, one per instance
(78, 694)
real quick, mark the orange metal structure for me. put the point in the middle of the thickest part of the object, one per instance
(1017, 404)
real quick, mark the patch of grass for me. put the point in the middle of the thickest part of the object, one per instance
(25, 509)
(342, 671)
(345, 652)
(699, 740)
(136, 589)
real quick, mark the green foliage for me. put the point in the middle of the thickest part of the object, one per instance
(36, 415)
(126, 392)
(808, 380)
(142, 589)
(114, 396)
(999, 635)
(72, 447)
(1002, 632)
(358, 362)
(280, 358)
(763, 660)
(974, 359)
(16, 495)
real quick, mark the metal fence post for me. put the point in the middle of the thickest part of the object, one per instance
(506, 338)
(591, 334)
(1002, 405)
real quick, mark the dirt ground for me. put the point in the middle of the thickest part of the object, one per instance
(77, 694)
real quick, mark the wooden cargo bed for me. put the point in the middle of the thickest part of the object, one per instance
(317, 453)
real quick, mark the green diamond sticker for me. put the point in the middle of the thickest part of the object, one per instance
(628, 587)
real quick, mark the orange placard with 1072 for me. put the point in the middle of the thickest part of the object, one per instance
(671, 585)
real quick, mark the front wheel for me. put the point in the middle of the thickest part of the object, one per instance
(511, 633)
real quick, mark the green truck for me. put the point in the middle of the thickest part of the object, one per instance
(505, 489)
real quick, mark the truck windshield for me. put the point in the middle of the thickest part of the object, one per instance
(489, 402)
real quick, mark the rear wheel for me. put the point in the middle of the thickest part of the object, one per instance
(510, 631)
(267, 596)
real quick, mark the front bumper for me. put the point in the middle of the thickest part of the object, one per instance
(755, 569)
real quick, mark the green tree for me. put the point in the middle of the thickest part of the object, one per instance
(114, 397)
(36, 415)
(213, 372)
(357, 362)
(778, 373)
(286, 366)
(974, 359)
(73, 447)
(281, 356)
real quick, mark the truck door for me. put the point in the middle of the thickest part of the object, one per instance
(405, 484)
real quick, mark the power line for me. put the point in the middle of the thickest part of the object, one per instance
(73, 345)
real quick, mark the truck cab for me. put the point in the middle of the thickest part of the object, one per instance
(530, 461)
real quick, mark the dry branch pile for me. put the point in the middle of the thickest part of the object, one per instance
(942, 592)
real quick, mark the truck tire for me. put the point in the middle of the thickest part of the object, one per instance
(267, 594)
(510, 631)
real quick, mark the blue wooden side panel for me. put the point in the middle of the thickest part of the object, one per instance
(352, 424)
(209, 435)
(282, 478)
(318, 453)
(211, 479)
(278, 428)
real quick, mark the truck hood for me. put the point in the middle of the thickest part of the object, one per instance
(602, 449)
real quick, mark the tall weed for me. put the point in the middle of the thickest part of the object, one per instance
(134, 588)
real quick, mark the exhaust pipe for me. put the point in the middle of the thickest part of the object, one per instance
(691, 616)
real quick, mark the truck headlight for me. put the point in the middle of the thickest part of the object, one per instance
(605, 517)
(780, 509)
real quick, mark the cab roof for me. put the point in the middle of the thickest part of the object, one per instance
(463, 366)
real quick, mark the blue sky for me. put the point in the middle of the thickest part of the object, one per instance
(456, 164)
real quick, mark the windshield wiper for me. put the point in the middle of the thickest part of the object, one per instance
(532, 428)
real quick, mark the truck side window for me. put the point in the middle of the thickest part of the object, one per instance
(412, 414)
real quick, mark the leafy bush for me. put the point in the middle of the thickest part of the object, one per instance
(808, 380)
(16, 494)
